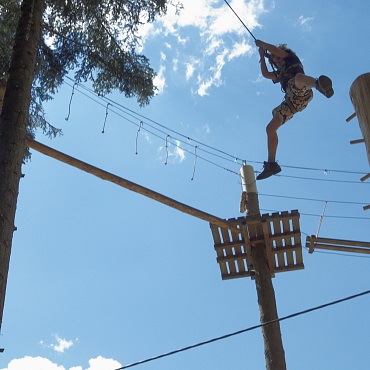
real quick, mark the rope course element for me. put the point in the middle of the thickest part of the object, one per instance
(246, 330)
(137, 135)
(161, 131)
(195, 161)
(106, 115)
(167, 138)
(70, 101)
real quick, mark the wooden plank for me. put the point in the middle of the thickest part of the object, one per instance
(277, 230)
(287, 239)
(341, 248)
(353, 115)
(297, 239)
(364, 178)
(238, 250)
(230, 244)
(341, 241)
(228, 250)
(219, 251)
(293, 268)
(125, 183)
(269, 248)
(358, 141)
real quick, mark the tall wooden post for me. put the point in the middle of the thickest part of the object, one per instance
(360, 97)
(274, 351)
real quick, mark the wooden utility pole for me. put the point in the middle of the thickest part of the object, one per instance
(274, 351)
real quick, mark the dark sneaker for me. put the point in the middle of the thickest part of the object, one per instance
(324, 85)
(269, 169)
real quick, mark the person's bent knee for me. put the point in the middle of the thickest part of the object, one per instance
(274, 124)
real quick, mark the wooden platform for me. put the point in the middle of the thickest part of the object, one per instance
(280, 232)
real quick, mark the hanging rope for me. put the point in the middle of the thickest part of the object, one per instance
(240, 20)
(195, 161)
(70, 101)
(106, 115)
(167, 138)
(137, 134)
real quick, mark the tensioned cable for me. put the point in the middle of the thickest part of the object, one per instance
(231, 158)
(236, 160)
(246, 330)
(312, 199)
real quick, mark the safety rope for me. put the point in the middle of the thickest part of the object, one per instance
(240, 20)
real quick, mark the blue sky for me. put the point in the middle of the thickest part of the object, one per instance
(101, 277)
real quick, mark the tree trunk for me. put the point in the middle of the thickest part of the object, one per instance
(13, 127)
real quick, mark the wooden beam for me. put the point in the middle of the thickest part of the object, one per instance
(128, 184)
(353, 246)
(358, 141)
(341, 248)
(365, 177)
(353, 115)
(342, 242)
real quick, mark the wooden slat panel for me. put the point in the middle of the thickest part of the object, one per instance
(228, 249)
(297, 239)
(238, 250)
(287, 239)
(277, 230)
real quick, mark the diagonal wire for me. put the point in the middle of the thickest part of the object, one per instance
(247, 329)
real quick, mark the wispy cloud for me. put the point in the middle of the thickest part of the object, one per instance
(173, 152)
(61, 344)
(217, 37)
(304, 22)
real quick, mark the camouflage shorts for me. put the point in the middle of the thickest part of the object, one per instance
(295, 96)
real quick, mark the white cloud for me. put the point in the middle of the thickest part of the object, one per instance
(189, 70)
(100, 363)
(213, 34)
(160, 80)
(32, 363)
(173, 152)
(40, 363)
(61, 346)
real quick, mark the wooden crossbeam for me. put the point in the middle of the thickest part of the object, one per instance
(352, 246)
(127, 184)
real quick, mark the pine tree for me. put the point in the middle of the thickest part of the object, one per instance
(96, 40)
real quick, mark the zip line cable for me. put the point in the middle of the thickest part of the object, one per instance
(246, 330)
(240, 20)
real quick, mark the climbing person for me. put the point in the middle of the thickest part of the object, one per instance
(288, 71)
